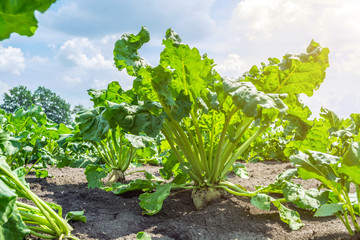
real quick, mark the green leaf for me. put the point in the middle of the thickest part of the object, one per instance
(11, 224)
(94, 175)
(261, 201)
(306, 199)
(7, 202)
(240, 170)
(93, 126)
(126, 51)
(152, 203)
(291, 217)
(19, 16)
(41, 173)
(137, 184)
(329, 210)
(351, 171)
(14, 228)
(139, 141)
(352, 156)
(295, 74)
(134, 119)
(254, 103)
(114, 93)
(142, 236)
(317, 139)
(331, 117)
(191, 72)
(315, 165)
(76, 216)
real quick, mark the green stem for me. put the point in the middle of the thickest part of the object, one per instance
(214, 173)
(42, 236)
(231, 146)
(42, 230)
(351, 209)
(54, 219)
(212, 140)
(235, 189)
(347, 224)
(177, 153)
(243, 147)
(182, 141)
(200, 142)
(28, 217)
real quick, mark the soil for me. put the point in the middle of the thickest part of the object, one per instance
(111, 217)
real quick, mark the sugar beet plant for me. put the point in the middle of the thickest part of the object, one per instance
(340, 177)
(114, 144)
(204, 117)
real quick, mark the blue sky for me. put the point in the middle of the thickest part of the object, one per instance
(72, 49)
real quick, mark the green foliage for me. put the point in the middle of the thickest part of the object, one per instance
(209, 121)
(19, 16)
(328, 134)
(19, 97)
(53, 105)
(11, 224)
(336, 175)
(42, 221)
(55, 108)
(29, 137)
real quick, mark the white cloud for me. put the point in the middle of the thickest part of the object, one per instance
(232, 66)
(3, 89)
(38, 59)
(11, 60)
(261, 18)
(83, 53)
(72, 80)
(100, 84)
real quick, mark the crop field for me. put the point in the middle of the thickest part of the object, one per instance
(185, 154)
(119, 217)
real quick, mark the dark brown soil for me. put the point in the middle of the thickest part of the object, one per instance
(111, 217)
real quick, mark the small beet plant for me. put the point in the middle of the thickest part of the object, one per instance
(340, 176)
(205, 118)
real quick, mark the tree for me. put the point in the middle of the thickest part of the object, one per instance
(78, 109)
(55, 108)
(18, 97)
(53, 105)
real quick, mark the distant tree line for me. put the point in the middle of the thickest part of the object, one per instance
(55, 108)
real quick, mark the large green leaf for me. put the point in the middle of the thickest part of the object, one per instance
(316, 165)
(126, 51)
(291, 217)
(306, 199)
(137, 184)
(327, 210)
(287, 215)
(94, 175)
(295, 74)
(113, 93)
(352, 156)
(14, 228)
(254, 103)
(134, 119)
(7, 202)
(152, 203)
(93, 126)
(350, 164)
(11, 224)
(191, 72)
(19, 16)
(317, 139)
